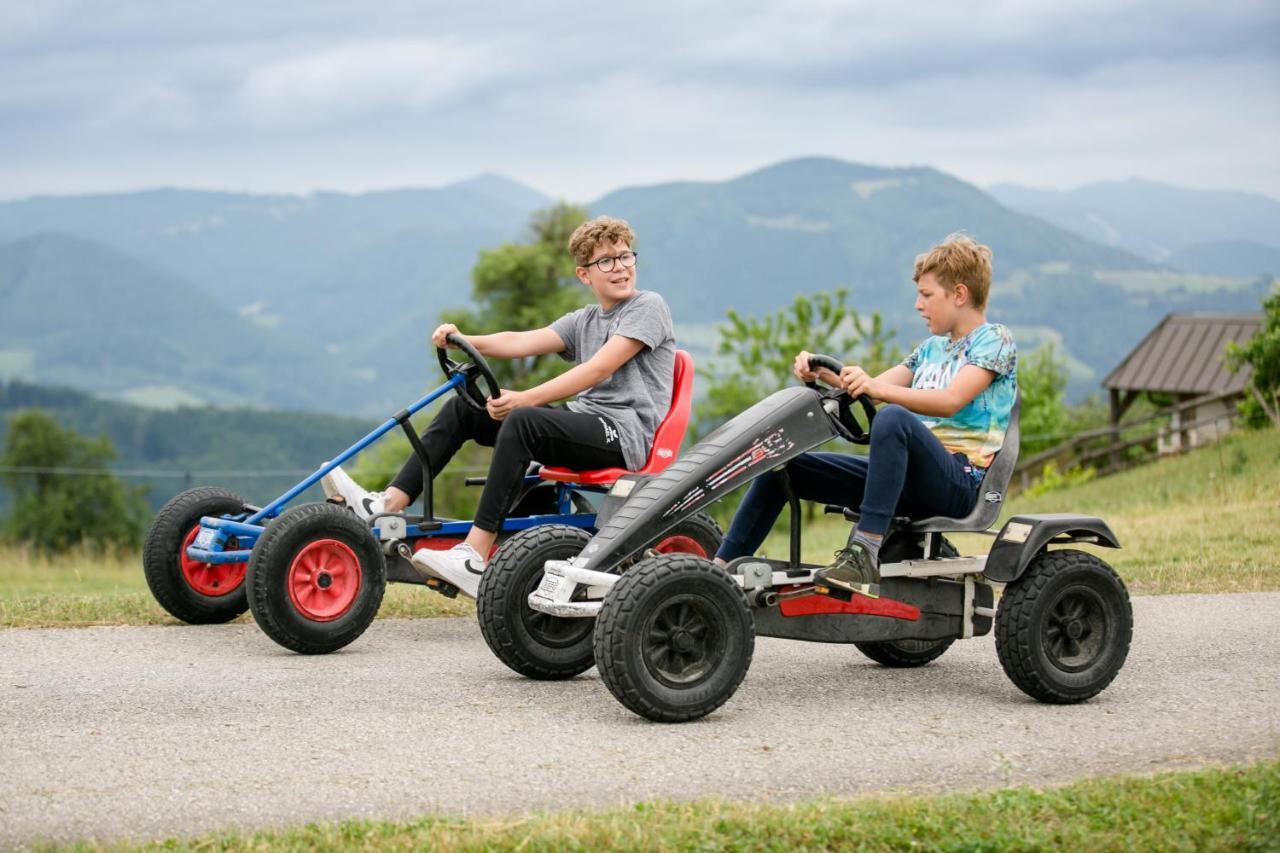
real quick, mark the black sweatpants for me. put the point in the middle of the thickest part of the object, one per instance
(552, 436)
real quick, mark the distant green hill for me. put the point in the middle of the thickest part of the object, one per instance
(325, 301)
(258, 453)
(1228, 257)
(752, 243)
(1156, 221)
(76, 313)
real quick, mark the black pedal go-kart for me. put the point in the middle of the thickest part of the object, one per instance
(314, 575)
(673, 634)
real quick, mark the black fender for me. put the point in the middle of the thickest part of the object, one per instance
(1025, 536)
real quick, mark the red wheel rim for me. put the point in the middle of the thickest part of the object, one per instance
(210, 579)
(679, 544)
(324, 580)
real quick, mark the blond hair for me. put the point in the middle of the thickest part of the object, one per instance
(959, 259)
(590, 235)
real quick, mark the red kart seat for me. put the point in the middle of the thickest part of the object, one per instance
(666, 441)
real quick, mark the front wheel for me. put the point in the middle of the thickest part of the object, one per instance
(316, 578)
(534, 644)
(1063, 629)
(196, 593)
(674, 638)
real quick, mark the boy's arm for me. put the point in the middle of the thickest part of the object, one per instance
(969, 382)
(505, 344)
(615, 353)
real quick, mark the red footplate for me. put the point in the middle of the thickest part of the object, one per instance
(812, 605)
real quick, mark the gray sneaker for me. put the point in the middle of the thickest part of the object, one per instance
(854, 571)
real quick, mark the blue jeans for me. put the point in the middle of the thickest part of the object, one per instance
(907, 472)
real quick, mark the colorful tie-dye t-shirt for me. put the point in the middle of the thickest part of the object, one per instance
(978, 429)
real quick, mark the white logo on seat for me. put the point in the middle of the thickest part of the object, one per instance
(665, 453)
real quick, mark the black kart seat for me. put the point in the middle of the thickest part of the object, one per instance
(991, 493)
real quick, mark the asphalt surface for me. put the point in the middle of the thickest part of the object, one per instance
(153, 732)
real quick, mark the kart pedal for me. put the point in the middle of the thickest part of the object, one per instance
(869, 590)
(445, 588)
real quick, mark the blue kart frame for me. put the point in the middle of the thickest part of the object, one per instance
(313, 575)
(246, 527)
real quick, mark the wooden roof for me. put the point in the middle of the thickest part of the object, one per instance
(1184, 355)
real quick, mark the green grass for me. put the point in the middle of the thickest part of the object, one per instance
(1205, 521)
(87, 588)
(1202, 522)
(1215, 809)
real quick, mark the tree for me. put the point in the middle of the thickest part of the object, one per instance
(526, 286)
(63, 492)
(763, 351)
(1042, 381)
(1262, 353)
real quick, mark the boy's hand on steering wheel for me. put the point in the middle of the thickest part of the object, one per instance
(856, 381)
(801, 368)
(443, 331)
(507, 402)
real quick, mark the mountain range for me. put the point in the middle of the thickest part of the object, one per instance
(324, 301)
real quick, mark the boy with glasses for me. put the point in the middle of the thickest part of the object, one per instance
(949, 404)
(623, 348)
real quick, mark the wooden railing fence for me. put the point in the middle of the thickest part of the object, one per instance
(1108, 448)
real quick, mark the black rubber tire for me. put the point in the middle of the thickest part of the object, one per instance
(1074, 589)
(701, 528)
(267, 578)
(676, 594)
(906, 654)
(533, 644)
(161, 558)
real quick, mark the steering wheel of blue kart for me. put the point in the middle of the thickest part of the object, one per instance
(471, 371)
(845, 418)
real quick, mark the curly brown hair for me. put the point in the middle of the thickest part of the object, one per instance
(603, 230)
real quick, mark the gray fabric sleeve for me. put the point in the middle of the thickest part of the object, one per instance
(567, 328)
(648, 320)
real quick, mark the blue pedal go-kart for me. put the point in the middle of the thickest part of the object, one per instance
(314, 575)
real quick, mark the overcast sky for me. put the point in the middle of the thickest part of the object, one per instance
(577, 99)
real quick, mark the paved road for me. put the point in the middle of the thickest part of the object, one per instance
(151, 732)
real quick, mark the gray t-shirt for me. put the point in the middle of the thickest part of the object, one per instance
(638, 396)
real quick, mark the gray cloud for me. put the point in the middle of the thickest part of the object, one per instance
(581, 98)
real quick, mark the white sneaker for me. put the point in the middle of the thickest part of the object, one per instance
(365, 504)
(460, 566)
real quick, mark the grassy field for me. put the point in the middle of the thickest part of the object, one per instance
(1206, 521)
(1202, 522)
(1216, 809)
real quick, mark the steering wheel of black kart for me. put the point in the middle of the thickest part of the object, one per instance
(845, 420)
(472, 372)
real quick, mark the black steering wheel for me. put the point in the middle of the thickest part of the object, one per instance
(472, 372)
(844, 417)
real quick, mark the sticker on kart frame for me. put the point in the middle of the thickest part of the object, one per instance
(1016, 531)
(551, 582)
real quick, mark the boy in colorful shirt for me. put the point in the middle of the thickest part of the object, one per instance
(949, 405)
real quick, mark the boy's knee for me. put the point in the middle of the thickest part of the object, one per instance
(889, 419)
(515, 425)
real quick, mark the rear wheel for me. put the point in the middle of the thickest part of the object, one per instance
(194, 592)
(699, 535)
(316, 578)
(674, 638)
(906, 654)
(1063, 629)
(534, 644)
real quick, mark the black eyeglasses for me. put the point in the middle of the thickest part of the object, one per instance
(627, 259)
